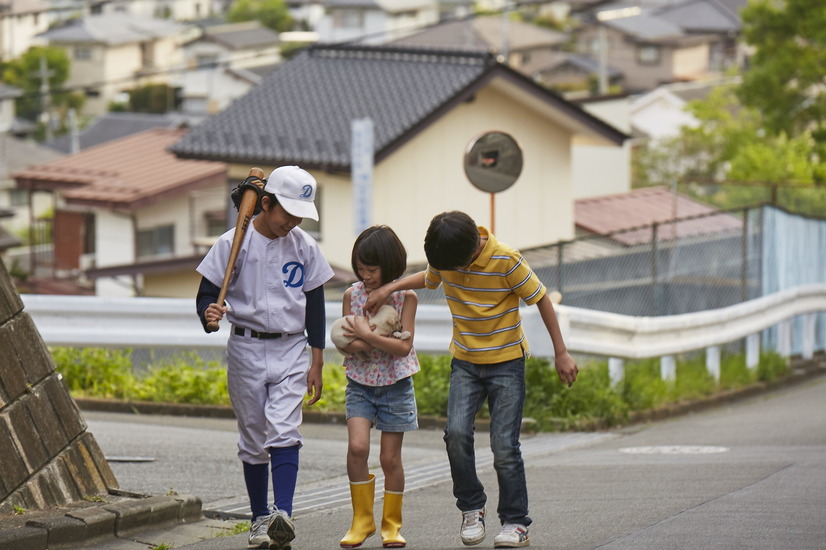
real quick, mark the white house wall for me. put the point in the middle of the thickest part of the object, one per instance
(17, 32)
(209, 91)
(663, 117)
(112, 69)
(692, 62)
(175, 211)
(114, 245)
(178, 10)
(603, 170)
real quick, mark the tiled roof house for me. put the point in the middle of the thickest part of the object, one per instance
(425, 106)
(654, 43)
(132, 216)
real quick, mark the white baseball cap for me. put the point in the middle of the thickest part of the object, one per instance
(295, 190)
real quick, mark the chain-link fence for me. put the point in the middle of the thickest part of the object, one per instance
(683, 265)
(678, 266)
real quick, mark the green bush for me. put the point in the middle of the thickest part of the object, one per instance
(332, 393)
(96, 372)
(771, 367)
(184, 379)
(431, 384)
(555, 406)
(641, 387)
(692, 381)
(592, 401)
(734, 373)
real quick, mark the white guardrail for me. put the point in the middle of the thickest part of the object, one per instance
(171, 322)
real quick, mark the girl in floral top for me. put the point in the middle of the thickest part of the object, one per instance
(379, 391)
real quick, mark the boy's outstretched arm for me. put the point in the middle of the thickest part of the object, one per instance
(565, 365)
(379, 296)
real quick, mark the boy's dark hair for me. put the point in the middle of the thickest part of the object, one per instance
(451, 240)
(380, 246)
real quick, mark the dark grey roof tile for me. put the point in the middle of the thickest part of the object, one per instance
(301, 112)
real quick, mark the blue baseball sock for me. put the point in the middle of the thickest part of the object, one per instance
(284, 474)
(256, 477)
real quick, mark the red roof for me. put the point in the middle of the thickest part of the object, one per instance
(130, 172)
(609, 214)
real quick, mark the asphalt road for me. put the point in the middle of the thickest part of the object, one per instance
(745, 475)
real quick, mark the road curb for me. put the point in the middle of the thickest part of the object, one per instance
(89, 523)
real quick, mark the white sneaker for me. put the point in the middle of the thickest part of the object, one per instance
(512, 535)
(473, 527)
(280, 530)
(258, 533)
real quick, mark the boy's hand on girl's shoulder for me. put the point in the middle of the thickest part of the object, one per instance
(375, 299)
(566, 368)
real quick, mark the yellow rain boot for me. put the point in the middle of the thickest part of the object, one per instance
(362, 494)
(391, 520)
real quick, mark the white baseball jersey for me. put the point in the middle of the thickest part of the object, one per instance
(266, 291)
(267, 379)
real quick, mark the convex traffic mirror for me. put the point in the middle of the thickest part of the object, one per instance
(493, 161)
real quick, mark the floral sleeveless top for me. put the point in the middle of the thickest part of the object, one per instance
(379, 368)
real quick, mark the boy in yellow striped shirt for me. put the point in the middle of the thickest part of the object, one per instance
(483, 281)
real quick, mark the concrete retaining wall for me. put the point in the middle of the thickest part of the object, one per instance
(47, 458)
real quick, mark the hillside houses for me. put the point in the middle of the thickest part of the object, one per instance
(117, 52)
(425, 108)
(427, 94)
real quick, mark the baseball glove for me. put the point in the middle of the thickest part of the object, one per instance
(250, 183)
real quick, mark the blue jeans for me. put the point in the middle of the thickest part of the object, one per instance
(503, 385)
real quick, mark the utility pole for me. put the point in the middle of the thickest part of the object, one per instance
(505, 53)
(74, 137)
(45, 97)
(603, 59)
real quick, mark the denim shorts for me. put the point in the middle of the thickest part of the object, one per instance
(389, 408)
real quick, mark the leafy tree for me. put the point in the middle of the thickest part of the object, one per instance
(730, 143)
(785, 80)
(152, 98)
(24, 73)
(271, 13)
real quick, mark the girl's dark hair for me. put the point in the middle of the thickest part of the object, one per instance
(451, 240)
(380, 246)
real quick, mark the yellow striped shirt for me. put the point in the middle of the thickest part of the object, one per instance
(484, 301)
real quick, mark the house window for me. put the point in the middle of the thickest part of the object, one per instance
(216, 222)
(83, 53)
(89, 234)
(348, 19)
(207, 61)
(648, 54)
(148, 55)
(156, 241)
(18, 197)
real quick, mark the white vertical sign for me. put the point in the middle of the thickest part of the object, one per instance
(361, 170)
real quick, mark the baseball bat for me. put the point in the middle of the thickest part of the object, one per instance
(245, 210)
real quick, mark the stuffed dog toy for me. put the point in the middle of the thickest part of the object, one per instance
(385, 322)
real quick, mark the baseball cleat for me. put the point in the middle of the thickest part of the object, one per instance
(280, 530)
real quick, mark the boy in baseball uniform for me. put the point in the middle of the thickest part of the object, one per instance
(276, 308)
